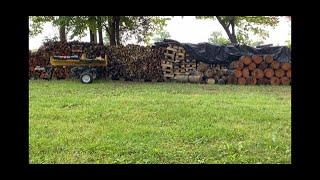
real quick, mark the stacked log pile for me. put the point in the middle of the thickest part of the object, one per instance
(216, 74)
(178, 65)
(259, 69)
(134, 63)
(53, 48)
(37, 59)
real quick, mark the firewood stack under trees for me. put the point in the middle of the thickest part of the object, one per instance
(134, 63)
(260, 69)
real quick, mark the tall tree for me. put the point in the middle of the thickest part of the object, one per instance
(117, 29)
(62, 22)
(244, 25)
(99, 23)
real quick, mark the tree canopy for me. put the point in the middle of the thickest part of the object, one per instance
(239, 27)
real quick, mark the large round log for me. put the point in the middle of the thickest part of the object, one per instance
(288, 73)
(211, 81)
(232, 79)
(246, 59)
(275, 65)
(268, 58)
(252, 66)
(274, 80)
(285, 66)
(258, 73)
(238, 73)
(241, 81)
(268, 72)
(257, 59)
(279, 73)
(285, 80)
(263, 65)
(245, 72)
(251, 80)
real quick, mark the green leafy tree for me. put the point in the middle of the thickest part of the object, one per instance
(117, 28)
(216, 38)
(161, 35)
(239, 27)
(62, 22)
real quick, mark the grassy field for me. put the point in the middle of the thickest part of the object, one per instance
(135, 122)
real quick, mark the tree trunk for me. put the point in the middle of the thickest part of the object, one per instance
(95, 39)
(100, 35)
(91, 36)
(231, 35)
(62, 33)
(117, 29)
(111, 31)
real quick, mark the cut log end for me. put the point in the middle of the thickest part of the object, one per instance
(252, 66)
(257, 59)
(246, 59)
(268, 72)
(279, 73)
(241, 81)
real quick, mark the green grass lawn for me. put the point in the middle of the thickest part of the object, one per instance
(136, 122)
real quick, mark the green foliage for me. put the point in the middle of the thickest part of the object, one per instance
(160, 35)
(217, 38)
(246, 24)
(142, 27)
(134, 122)
(36, 24)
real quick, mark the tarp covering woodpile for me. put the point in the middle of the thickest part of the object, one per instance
(219, 54)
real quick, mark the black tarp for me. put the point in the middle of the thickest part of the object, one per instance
(218, 54)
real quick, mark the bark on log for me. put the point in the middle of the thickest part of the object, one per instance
(288, 73)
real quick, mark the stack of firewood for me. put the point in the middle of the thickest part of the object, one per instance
(177, 64)
(37, 61)
(215, 73)
(134, 63)
(260, 69)
(53, 48)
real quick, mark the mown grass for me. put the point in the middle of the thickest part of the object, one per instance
(136, 122)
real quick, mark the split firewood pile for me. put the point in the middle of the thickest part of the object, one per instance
(73, 48)
(134, 63)
(37, 62)
(259, 69)
(178, 65)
